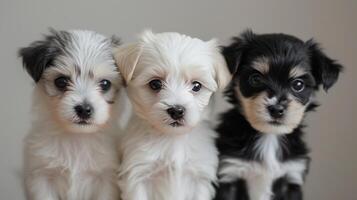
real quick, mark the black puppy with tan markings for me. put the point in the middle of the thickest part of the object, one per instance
(262, 154)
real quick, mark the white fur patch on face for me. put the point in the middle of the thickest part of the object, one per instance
(256, 112)
(88, 60)
(178, 61)
(261, 65)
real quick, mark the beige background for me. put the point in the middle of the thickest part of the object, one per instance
(331, 132)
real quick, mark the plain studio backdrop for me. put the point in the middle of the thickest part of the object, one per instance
(331, 131)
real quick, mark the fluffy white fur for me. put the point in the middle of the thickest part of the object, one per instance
(63, 159)
(160, 161)
(260, 176)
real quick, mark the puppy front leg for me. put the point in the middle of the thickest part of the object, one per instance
(259, 188)
(40, 187)
(133, 191)
(204, 190)
(106, 187)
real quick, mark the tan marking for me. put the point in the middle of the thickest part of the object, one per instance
(254, 110)
(262, 65)
(296, 72)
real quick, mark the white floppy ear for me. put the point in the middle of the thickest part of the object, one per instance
(223, 77)
(126, 58)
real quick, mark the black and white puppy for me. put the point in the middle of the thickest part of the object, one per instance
(70, 152)
(262, 154)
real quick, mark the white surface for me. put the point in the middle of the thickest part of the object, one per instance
(331, 132)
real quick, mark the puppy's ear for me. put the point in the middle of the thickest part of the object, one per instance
(324, 69)
(127, 57)
(234, 52)
(220, 66)
(37, 57)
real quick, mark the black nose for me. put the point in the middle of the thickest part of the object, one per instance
(276, 111)
(176, 112)
(84, 111)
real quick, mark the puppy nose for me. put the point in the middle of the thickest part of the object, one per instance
(84, 111)
(276, 111)
(176, 112)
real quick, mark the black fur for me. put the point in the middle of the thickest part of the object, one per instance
(115, 41)
(237, 137)
(324, 69)
(41, 54)
(233, 191)
(283, 190)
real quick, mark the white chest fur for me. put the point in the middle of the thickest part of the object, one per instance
(70, 166)
(75, 153)
(161, 167)
(260, 176)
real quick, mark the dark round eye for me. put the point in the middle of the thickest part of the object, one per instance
(155, 84)
(62, 83)
(297, 85)
(105, 85)
(196, 86)
(255, 80)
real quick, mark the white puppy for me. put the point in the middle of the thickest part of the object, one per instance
(167, 153)
(70, 153)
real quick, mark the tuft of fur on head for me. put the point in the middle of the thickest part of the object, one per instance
(265, 69)
(178, 62)
(82, 62)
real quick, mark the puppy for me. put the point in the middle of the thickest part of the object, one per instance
(70, 152)
(262, 154)
(167, 151)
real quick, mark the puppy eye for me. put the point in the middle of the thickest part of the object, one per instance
(105, 85)
(255, 80)
(155, 84)
(62, 83)
(297, 85)
(196, 86)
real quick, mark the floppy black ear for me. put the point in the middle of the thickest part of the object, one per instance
(324, 69)
(37, 57)
(234, 52)
(232, 55)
